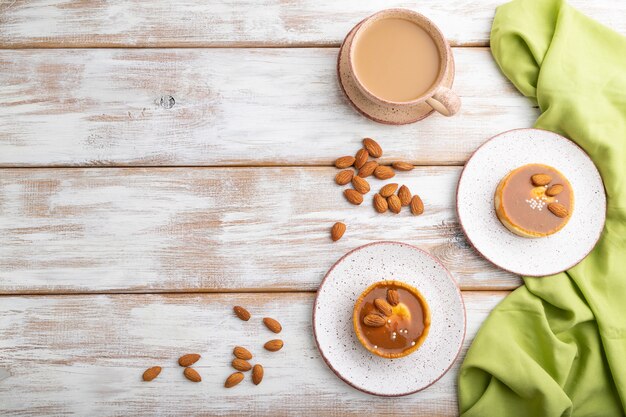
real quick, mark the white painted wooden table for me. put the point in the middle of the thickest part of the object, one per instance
(163, 161)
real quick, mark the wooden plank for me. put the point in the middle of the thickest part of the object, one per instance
(232, 107)
(84, 355)
(209, 229)
(196, 23)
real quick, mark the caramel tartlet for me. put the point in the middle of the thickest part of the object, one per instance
(391, 319)
(534, 200)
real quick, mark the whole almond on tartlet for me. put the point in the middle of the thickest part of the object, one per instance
(558, 210)
(380, 203)
(388, 189)
(393, 297)
(274, 345)
(417, 205)
(555, 189)
(383, 172)
(361, 185)
(344, 162)
(405, 195)
(242, 353)
(402, 166)
(361, 158)
(192, 375)
(272, 324)
(241, 365)
(373, 148)
(374, 320)
(242, 313)
(540, 179)
(394, 204)
(257, 374)
(353, 196)
(337, 231)
(367, 169)
(188, 359)
(151, 373)
(233, 380)
(344, 177)
(383, 306)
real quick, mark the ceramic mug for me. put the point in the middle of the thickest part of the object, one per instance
(439, 97)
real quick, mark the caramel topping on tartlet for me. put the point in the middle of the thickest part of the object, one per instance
(391, 319)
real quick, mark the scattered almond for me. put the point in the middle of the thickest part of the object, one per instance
(555, 189)
(374, 320)
(242, 313)
(361, 158)
(353, 196)
(274, 325)
(558, 210)
(402, 166)
(241, 365)
(344, 177)
(380, 203)
(367, 169)
(383, 306)
(274, 345)
(394, 204)
(417, 205)
(242, 353)
(188, 359)
(360, 185)
(233, 380)
(393, 297)
(373, 148)
(337, 231)
(257, 374)
(388, 189)
(192, 375)
(344, 162)
(540, 179)
(383, 172)
(151, 373)
(405, 195)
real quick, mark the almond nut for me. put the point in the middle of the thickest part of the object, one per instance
(344, 162)
(274, 325)
(188, 359)
(383, 172)
(405, 195)
(558, 210)
(373, 148)
(242, 313)
(388, 189)
(353, 196)
(394, 204)
(337, 232)
(417, 205)
(383, 306)
(233, 380)
(242, 353)
(360, 185)
(374, 320)
(241, 365)
(393, 297)
(555, 189)
(257, 374)
(344, 177)
(367, 169)
(274, 345)
(380, 203)
(361, 158)
(151, 373)
(540, 179)
(402, 166)
(192, 375)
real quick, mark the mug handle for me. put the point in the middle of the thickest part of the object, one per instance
(445, 101)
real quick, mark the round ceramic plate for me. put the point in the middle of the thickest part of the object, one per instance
(525, 256)
(334, 332)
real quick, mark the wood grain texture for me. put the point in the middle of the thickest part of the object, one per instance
(194, 23)
(210, 229)
(230, 107)
(84, 355)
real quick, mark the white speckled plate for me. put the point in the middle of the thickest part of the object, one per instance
(541, 256)
(332, 319)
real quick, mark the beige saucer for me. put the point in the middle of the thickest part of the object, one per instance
(373, 111)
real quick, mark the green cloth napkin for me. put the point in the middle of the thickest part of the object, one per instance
(557, 345)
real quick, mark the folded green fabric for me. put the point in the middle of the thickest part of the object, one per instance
(557, 345)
